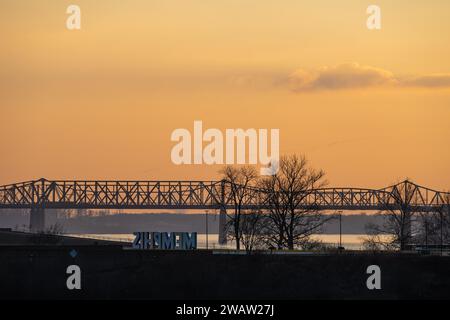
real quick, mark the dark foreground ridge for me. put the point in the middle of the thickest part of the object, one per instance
(114, 272)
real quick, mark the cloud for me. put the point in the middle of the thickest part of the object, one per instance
(429, 81)
(356, 76)
(344, 76)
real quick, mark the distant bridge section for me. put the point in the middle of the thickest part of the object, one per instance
(42, 194)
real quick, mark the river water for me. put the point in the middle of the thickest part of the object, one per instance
(349, 241)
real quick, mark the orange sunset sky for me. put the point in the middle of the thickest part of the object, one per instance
(368, 107)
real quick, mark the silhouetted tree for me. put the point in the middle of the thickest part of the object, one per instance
(398, 219)
(239, 183)
(435, 226)
(48, 236)
(252, 230)
(444, 220)
(291, 223)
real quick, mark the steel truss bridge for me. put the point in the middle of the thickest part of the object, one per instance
(42, 194)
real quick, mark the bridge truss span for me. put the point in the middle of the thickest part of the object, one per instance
(43, 194)
(111, 194)
(87, 194)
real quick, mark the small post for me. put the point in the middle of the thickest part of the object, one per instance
(222, 216)
(442, 226)
(340, 231)
(206, 215)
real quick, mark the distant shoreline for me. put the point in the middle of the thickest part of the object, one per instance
(193, 222)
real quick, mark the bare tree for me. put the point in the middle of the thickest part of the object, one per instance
(399, 219)
(240, 181)
(274, 229)
(435, 226)
(429, 227)
(252, 226)
(48, 236)
(286, 191)
(55, 229)
(376, 240)
(444, 219)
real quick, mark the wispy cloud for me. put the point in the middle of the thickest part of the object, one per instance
(429, 81)
(356, 76)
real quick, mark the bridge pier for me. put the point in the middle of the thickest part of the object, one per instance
(37, 219)
(223, 214)
(223, 226)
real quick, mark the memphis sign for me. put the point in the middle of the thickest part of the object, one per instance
(165, 240)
